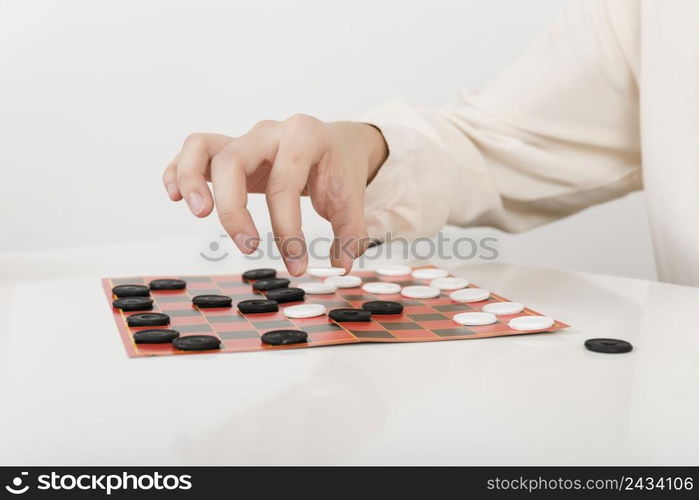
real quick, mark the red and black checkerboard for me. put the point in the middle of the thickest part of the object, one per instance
(422, 319)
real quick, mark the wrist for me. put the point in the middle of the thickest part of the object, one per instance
(378, 149)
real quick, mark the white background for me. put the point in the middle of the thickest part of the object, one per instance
(96, 97)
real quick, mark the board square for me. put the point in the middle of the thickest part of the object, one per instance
(242, 334)
(372, 334)
(427, 317)
(400, 325)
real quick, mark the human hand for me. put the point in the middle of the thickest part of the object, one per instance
(330, 162)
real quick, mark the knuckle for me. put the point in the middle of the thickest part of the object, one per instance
(195, 140)
(226, 214)
(302, 122)
(264, 126)
(276, 187)
(186, 178)
(228, 157)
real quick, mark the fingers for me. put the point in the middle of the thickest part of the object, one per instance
(229, 169)
(300, 147)
(170, 180)
(350, 236)
(186, 176)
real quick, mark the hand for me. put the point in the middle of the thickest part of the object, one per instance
(330, 162)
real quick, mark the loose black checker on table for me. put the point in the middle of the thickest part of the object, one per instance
(258, 306)
(284, 337)
(148, 319)
(131, 291)
(155, 336)
(286, 294)
(608, 346)
(212, 301)
(259, 274)
(197, 343)
(168, 284)
(134, 304)
(348, 314)
(383, 307)
(270, 284)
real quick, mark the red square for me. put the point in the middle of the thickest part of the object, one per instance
(233, 326)
(438, 324)
(494, 328)
(361, 326)
(242, 344)
(414, 335)
(336, 336)
(388, 318)
(418, 310)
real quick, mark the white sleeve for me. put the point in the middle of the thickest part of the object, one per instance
(555, 133)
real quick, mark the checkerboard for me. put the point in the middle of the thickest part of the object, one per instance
(422, 320)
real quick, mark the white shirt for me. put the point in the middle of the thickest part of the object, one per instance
(607, 102)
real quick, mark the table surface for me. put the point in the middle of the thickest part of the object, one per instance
(70, 395)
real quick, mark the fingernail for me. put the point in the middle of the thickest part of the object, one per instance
(294, 267)
(196, 203)
(172, 190)
(245, 243)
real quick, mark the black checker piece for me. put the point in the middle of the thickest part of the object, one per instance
(284, 337)
(608, 346)
(155, 336)
(270, 284)
(134, 304)
(348, 314)
(259, 274)
(383, 307)
(197, 343)
(148, 319)
(258, 306)
(286, 294)
(131, 291)
(168, 284)
(204, 301)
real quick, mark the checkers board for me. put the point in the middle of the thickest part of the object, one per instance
(422, 320)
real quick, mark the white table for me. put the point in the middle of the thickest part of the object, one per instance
(532, 399)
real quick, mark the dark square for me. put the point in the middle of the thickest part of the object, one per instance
(427, 317)
(359, 297)
(372, 334)
(369, 279)
(409, 283)
(453, 332)
(327, 327)
(225, 319)
(271, 325)
(243, 334)
(127, 281)
(400, 325)
(171, 298)
(196, 279)
(232, 284)
(410, 302)
(193, 328)
(207, 291)
(183, 313)
(332, 303)
(245, 296)
(453, 307)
